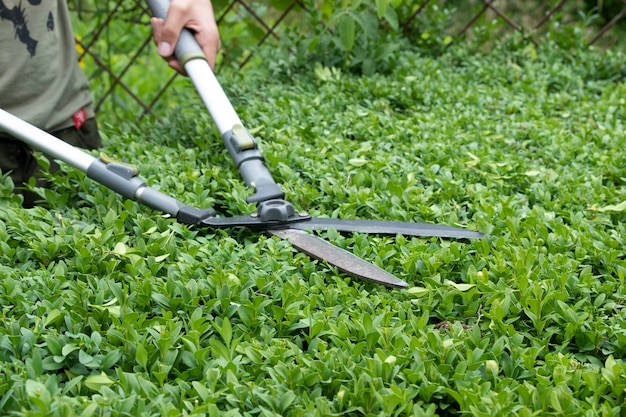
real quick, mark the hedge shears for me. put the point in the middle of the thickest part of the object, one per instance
(274, 215)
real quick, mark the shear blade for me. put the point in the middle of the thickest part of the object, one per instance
(382, 227)
(344, 261)
(386, 227)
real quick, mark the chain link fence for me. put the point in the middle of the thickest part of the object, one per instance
(116, 49)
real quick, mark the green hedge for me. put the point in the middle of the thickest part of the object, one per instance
(110, 308)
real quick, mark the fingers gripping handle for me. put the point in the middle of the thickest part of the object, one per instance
(186, 48)
(190, 55)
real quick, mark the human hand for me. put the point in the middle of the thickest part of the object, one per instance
(195, 15)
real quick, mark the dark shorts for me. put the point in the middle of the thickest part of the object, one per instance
(16, 158)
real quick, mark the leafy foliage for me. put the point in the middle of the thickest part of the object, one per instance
(362, 37)
(110, 308)
(355, 35)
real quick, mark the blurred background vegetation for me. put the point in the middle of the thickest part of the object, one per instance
(363, 36)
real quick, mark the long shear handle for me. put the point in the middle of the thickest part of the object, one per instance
(241, 145)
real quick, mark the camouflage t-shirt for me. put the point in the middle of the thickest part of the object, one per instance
(40, 79)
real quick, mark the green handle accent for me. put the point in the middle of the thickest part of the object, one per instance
(133, 170)
(243, 140)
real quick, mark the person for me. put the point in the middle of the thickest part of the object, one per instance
(42, 83)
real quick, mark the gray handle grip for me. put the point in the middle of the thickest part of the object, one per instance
(186, 47)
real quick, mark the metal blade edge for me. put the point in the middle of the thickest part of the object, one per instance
(342, 259)
(386, 227)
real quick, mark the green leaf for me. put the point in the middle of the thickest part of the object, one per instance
(95, 382)
(161, 300)
(141, 355)
(226, 331)
(38, 393)
(87, 360)
(612, 207)
(532, 173)
(381, 7)
(219, 350)
(90, 410)
(347, 32)
(110, 359)
(391, 17)
(418, 291)
(72, 386)
(34, 364)
(202, 391)
(120, 249)
(460, 286)
(286, 399)
(368, 67)
(69, 348)
(316, 328)
(357, 162)
(161, 258)
(52, 317)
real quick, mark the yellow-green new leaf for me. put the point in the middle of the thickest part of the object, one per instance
(612, 207)
(95, 382)
(460, 286)
(418, 291)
